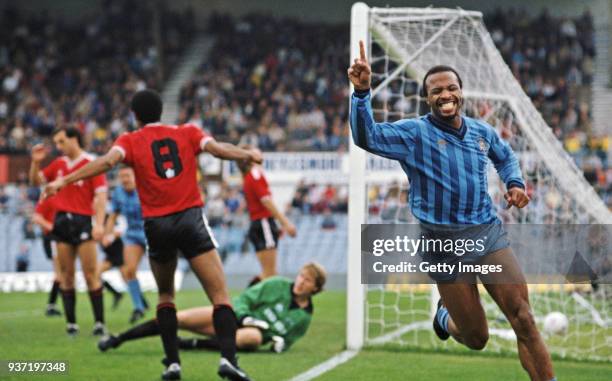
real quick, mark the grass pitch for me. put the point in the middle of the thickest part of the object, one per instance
(26, 334)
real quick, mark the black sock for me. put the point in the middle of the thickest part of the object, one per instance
(110, 288)
(54, 291)
(256, 279)
(97, 304)
(168, 327)
(225, 323)
(193, 343)
(69, 299)
(148, 328)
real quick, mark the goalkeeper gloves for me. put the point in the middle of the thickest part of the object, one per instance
(249, 321)
(278, 344)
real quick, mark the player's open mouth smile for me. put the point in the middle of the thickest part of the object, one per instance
(447, 106)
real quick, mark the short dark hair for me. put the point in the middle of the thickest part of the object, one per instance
(71, 132)
(438, 69)
(147, 106)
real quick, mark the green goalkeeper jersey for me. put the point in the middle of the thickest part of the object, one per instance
(271, 300)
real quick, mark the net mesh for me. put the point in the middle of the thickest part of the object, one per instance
(404, 44)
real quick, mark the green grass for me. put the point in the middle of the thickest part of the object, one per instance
(410, 365)
(25, 334)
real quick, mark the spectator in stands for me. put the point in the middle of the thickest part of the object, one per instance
(4, 199)
(23, 258)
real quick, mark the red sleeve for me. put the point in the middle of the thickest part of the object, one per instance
(260, 186)
(42, 207)
(50, 171)
(46, 208)
(124, 144)
(197, 137)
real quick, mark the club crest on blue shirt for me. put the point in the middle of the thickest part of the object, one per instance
(483, 145)
(442, 143)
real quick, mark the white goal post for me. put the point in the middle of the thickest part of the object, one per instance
(402, 44)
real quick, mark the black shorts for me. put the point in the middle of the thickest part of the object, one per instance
(114, 253)
(71, 228)
(186, 231)
(49, 246)
(264, 234)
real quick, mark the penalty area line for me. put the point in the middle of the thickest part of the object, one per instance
(325, 366)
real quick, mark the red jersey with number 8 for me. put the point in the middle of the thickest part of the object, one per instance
(164, 159)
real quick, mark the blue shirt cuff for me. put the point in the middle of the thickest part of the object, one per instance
(515, 184)
(361, 93)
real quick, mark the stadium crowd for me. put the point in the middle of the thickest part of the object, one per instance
(282, 88)
(54, 73)
(553, 59)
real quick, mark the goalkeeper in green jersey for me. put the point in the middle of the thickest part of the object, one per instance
(276, 310)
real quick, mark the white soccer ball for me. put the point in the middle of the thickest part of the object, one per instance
(556, 323)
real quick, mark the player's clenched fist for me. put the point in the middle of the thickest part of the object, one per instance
(516, 197)
(360, 73)
(39, 152)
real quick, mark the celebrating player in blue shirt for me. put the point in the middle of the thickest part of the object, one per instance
(445, 156)
(124, 201)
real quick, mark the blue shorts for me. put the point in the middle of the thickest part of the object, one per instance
(135, 238)
(470, 244)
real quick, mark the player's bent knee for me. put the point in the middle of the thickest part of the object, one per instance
(476, 340)
(248, 339)
(523, 322)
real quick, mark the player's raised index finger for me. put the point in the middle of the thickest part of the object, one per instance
(362, 50)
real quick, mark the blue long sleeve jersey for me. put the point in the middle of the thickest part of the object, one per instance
(128, 204)
(446, 167)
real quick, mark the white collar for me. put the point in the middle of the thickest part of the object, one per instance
(72, 163)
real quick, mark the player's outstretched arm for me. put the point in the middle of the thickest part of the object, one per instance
(229, 151)
(360, 72)
(280, 216)
(508, 167)
(390, 140)
(91, 169)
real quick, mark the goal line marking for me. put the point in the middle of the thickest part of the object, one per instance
(325, 366)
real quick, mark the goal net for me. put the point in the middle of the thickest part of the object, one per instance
(402, 44)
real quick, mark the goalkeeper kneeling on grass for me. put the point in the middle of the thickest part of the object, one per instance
(276, 311)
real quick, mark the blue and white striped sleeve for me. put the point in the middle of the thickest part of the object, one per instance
(505, 161)
(390, 140)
